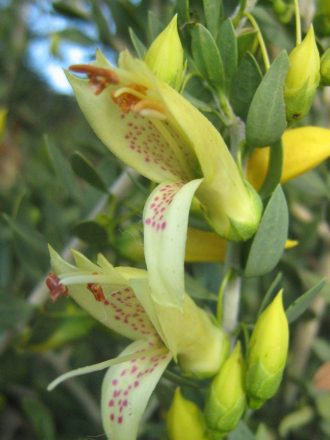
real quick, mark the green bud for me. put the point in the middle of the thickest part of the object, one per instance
(165, 56)
(303, 78)
(325, 68)
(184, 420)
(226, 400)
(267, 353)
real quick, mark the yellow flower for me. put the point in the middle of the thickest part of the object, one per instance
(121, 299)
(303, 149)
(155, 130)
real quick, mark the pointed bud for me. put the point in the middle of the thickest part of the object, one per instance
(303, 78)
(165, 56)
(185, 420)
(267, 353)
(226, 400)
(325, 68)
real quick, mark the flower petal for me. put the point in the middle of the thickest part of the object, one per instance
(127, 388)
(304, 148)
(165, 229)
(226, 199)
(106, 295)
(131, 137)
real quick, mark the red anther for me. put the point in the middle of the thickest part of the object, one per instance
(99, 77)
(97, 291)
(56, 288)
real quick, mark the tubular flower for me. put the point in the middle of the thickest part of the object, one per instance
(120, 299)
(155, 130)
(303, 149)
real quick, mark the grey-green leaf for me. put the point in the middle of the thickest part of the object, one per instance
(213, 11)
(268, 243)
(86, 170)
(266, 120)
(302, 303)
(91, 232)
(40, 417)
(227, 44)
(245, 84)
(207, 56)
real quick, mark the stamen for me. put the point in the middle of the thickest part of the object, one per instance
(99, 77)
(127, 97)
(56, 288)
(151, 109)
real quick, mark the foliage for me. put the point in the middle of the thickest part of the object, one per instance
(56, 187)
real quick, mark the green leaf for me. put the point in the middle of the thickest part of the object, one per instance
(244, 85)
(268, 243)
(302, 303)
(40, 417)
(321, 348)
(71, 11)
(62, 169)
(246, 42)
(273, 288)
(296, 420)
(213, 11)
(266, 120)
(86, 170)
(139, 47)
(91, 232)
(227, 44)
(13, 311)
(274, 171)
(207, 56)
(101, 23)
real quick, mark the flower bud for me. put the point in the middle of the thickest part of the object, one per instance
(325, 68)
(303, 78)
(267, 353)
(184, 420)
(226, 400)
(165, 55)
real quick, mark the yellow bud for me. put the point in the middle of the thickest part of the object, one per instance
(184, 420)
(303, 78)
(226, 399)
(325, 68)
(165, 56)
(267, 355)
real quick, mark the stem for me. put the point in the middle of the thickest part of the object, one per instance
(261, 41)
(232, 290)
(298, 23)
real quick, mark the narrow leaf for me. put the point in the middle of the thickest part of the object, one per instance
(213, 11)
(139, 47)
(91, 232)
(86, 170)
(268, 244)
(302, 303)
(207, 56)
(245, 84)
(227, 44)
(266, 119)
